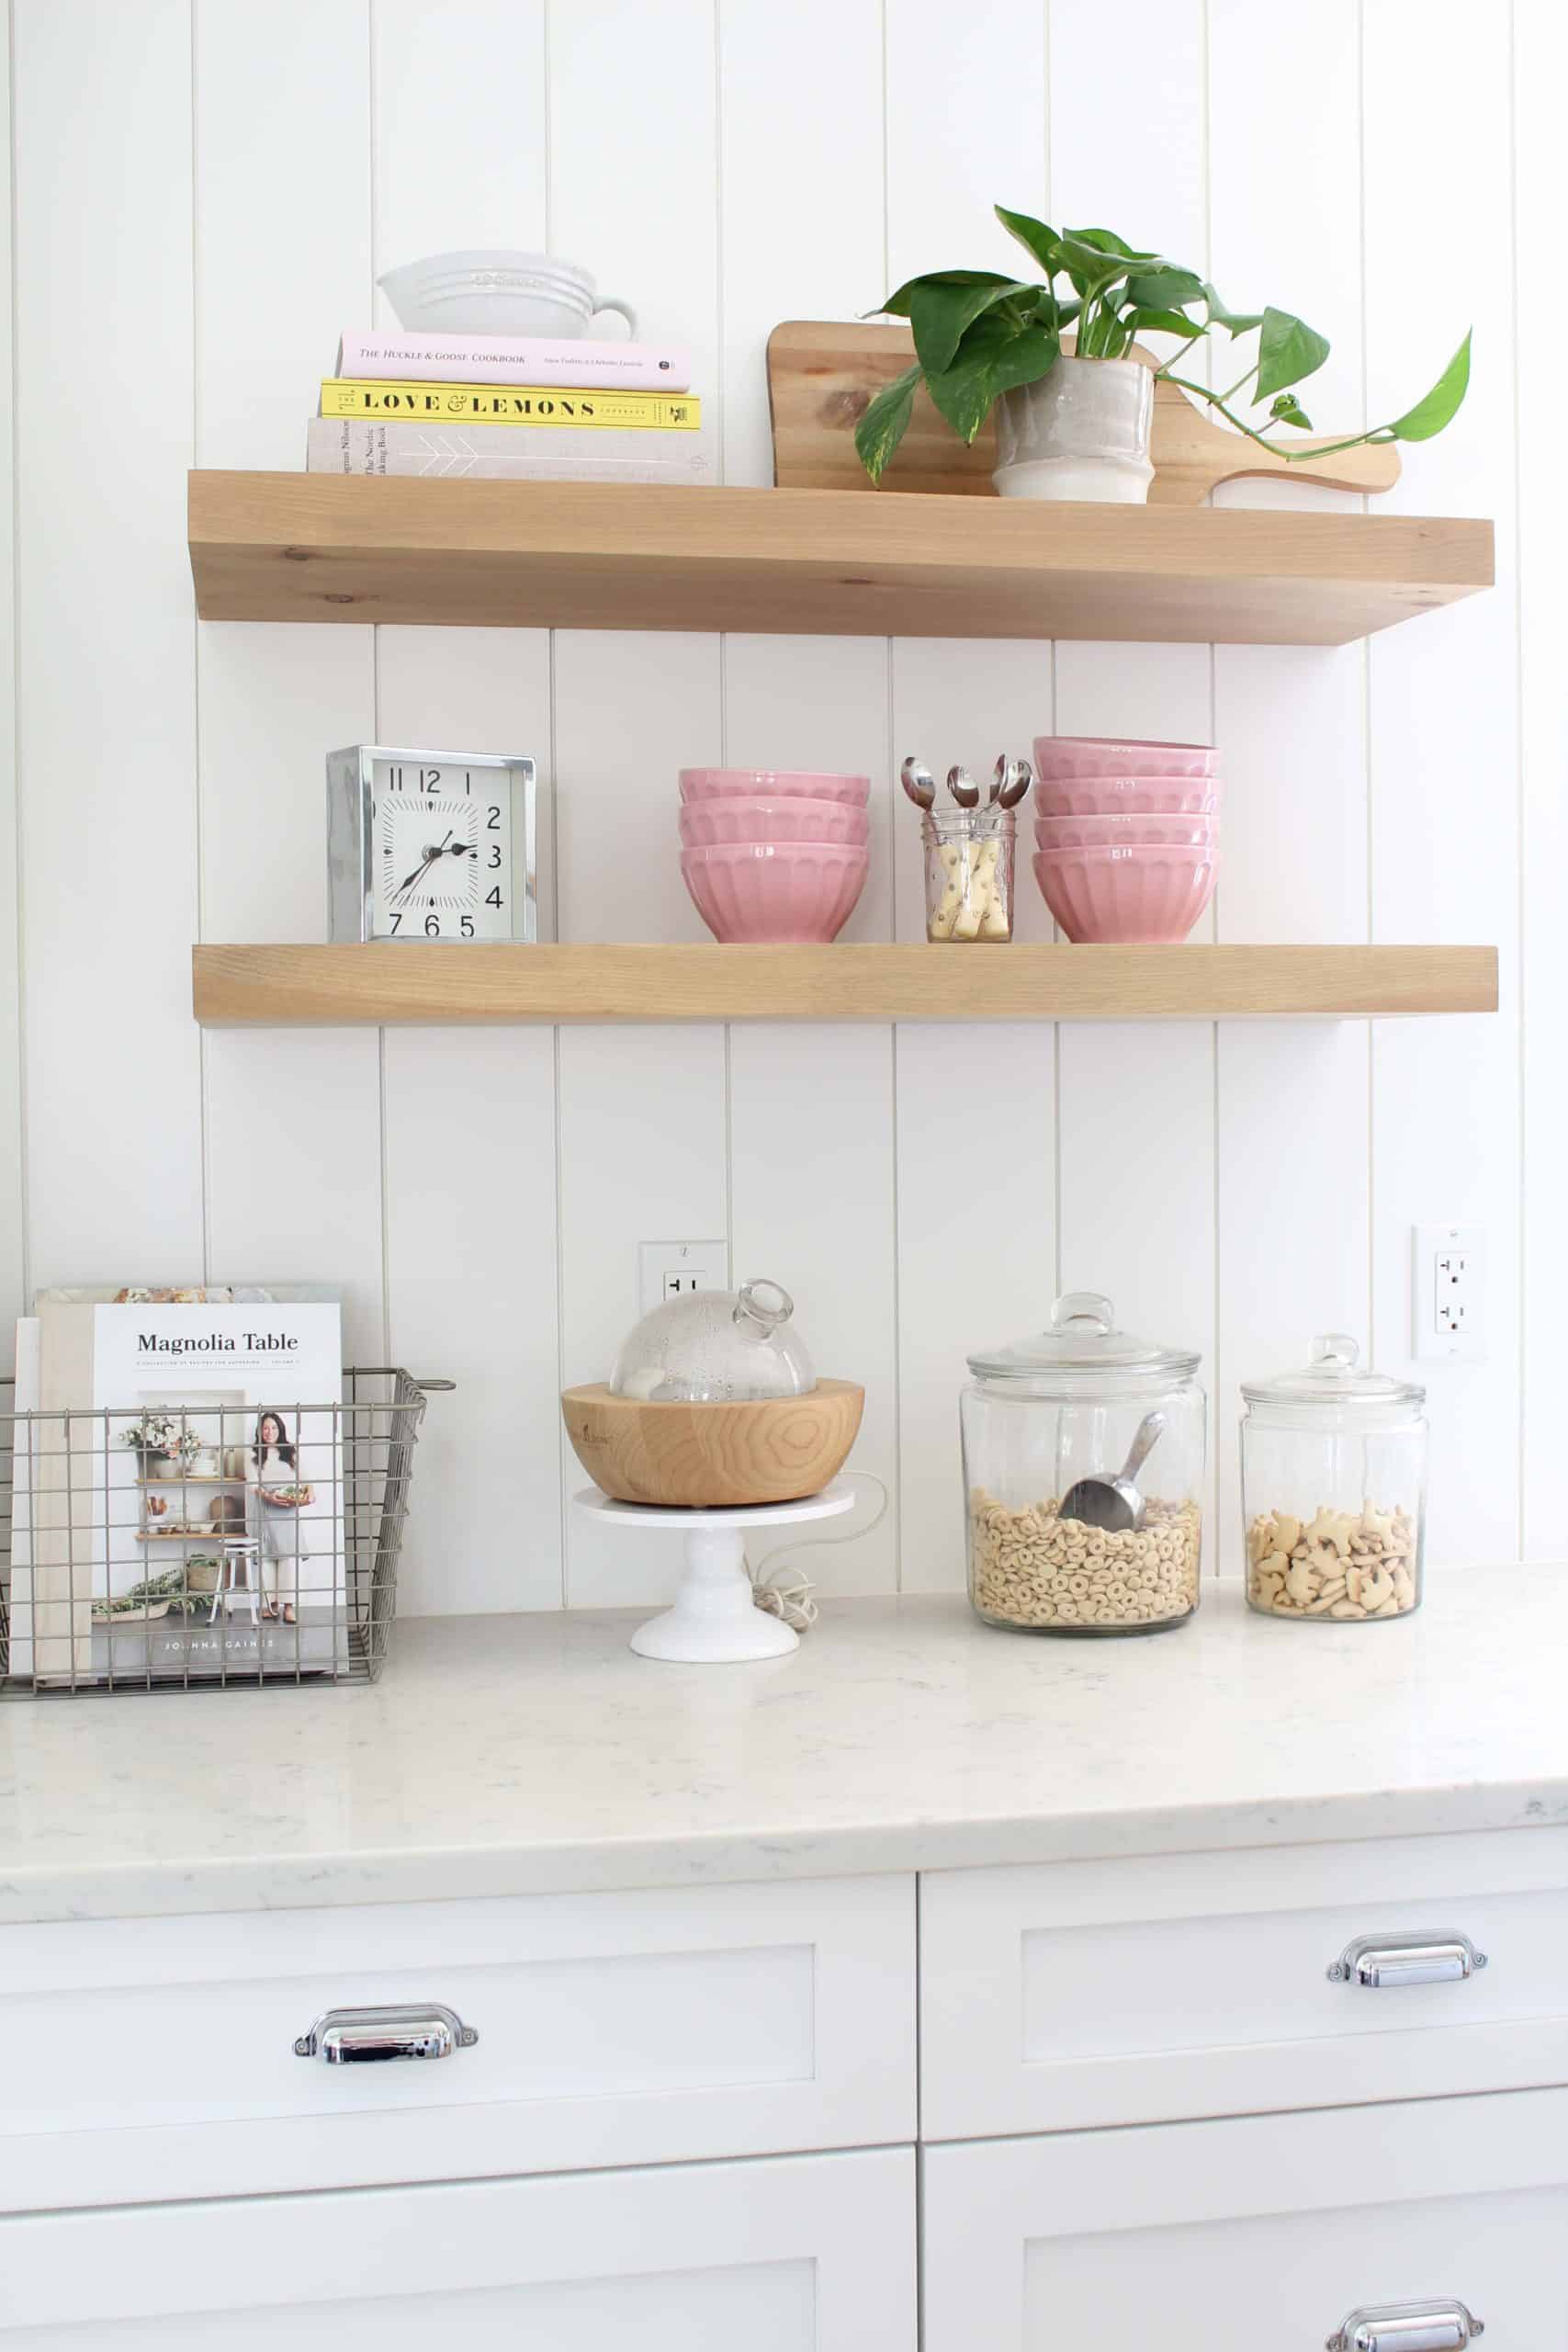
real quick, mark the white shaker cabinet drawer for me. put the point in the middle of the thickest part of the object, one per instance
(784, 2255)
(146, 2059)
(1263, 2232)
(1077, 1994)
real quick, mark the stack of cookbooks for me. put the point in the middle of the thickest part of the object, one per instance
(514, 408)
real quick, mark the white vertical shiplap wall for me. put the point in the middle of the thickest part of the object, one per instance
(470, 1115)
(1446, 849)
(1541, 72)
(1137, 1108)
(204, 194)
(13, 1200)
(106, 652)
(1291, 1101)
(975, 1104)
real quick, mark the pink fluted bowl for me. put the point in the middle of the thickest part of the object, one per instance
(1092, 755)
(1127, 832)
(752, 819)
(773, 783)
(1149, 896)
(1127, 796)
(767, 891)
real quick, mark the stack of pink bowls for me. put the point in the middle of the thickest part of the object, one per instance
(774, 854)
(1125, 835)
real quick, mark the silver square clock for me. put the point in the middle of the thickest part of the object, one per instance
(430, 845)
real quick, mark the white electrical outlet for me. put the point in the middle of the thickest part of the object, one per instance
(673, 1268)
(1447, 1293)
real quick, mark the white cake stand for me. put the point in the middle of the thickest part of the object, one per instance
(715, 1620)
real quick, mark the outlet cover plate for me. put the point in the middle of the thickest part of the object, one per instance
(668, 1269)
(1447, 1293)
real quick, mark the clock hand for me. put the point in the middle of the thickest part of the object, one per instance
(430, 857)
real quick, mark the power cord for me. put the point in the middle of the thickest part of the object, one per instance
(789, 1596)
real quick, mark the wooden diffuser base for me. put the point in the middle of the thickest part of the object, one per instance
(712, 1457)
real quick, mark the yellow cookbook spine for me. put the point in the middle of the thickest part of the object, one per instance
(510, 404)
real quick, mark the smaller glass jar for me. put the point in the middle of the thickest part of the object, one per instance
(1065, 1405)
(969, 855)
(1334, 1490)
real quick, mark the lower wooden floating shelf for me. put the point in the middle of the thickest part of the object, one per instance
(390, 984)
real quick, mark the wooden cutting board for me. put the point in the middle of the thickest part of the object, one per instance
(822, 373)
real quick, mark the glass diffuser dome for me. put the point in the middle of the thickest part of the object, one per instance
(717, 1347)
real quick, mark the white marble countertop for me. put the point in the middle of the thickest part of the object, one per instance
(535, 1754)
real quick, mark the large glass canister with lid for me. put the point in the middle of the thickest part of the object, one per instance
(1333, 1489)
(1048, 1423)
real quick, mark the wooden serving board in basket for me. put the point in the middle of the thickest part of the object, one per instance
(822, 373)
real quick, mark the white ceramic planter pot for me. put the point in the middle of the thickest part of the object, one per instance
(1081, 431)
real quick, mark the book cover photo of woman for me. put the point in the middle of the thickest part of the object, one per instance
(278, 1494)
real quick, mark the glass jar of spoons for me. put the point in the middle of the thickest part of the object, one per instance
(968, 850)
(1083, 1473)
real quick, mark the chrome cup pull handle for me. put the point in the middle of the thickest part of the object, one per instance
(371, 2037)
(1381, 1962)
(1443, 2327)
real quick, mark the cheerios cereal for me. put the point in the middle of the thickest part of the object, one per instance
(1034, 1568)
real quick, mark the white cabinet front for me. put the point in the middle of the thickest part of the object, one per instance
(779, 2255)
(150, 2059)
(1269, 2232)
(1189, 1984)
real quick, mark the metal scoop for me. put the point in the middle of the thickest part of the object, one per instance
(1115, 1503)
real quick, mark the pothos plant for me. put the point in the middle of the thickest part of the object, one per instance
(978, 334)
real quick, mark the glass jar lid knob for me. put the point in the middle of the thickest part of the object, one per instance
(763, 1305)
(1335, 1352)
(1087, 1312)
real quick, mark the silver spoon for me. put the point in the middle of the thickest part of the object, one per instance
(1012, 781)
(963, 788)
(1115, 1503)
(918, 783)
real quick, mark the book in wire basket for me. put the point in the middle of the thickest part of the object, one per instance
(203, 1546)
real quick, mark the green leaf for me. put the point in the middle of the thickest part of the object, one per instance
(898, 303)
(941, 313)
(994, 358)
(1034, 237)
(1088, 265)
(1288, 349)
(1441, 404)
(1288, 410)
(1164, 289)
(882, 427)
(1163, 322)
(1235, 322)
(1108, 241)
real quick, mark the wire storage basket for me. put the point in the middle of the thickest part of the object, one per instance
(175, 1551)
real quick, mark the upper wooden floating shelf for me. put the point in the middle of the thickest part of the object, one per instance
(389, 984)
(280, 547)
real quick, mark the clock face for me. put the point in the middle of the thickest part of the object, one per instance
(441, 848)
